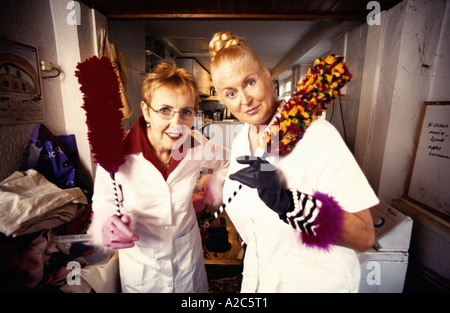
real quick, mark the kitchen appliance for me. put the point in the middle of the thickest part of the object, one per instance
(384, 266)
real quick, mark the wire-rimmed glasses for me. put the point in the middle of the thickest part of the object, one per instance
(167, 113)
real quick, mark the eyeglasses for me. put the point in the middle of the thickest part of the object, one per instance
(167, 113)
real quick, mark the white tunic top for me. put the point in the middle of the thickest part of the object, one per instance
(275, 259)
(168, 256)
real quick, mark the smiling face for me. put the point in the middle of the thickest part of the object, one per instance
(164, 133)
(245, 87)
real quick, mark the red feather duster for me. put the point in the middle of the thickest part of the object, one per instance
(102, 103)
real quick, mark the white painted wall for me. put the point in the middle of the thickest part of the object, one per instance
(351, 45)
(395, 85)
(69, 42)
(30, 22)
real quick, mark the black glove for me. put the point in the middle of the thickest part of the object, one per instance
(263, 176)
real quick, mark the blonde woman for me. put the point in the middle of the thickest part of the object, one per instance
(277, 209)
(157, 237)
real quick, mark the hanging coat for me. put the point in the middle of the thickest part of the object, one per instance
(275, 259)
(168, 256)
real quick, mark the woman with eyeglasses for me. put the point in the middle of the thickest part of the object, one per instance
(157, 236)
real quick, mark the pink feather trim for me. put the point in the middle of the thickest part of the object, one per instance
(329, 223)
(102, 103)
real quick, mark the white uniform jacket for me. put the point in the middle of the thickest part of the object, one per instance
(168, 256)
(275, 259)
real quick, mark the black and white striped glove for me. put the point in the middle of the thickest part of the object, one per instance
(305, 209)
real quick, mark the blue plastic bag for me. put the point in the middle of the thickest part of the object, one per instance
(53, 157)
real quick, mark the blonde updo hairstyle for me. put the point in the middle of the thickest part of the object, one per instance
(168, 76)
(228, 47)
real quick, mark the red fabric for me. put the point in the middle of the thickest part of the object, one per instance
(102, 103)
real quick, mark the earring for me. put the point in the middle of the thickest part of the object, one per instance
(148, 125)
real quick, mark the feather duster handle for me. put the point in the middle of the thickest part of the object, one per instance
(321, 84)
(103, 104)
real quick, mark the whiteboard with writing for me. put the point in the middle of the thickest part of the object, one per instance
(429, 182)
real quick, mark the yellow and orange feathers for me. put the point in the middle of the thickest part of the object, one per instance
(318, 88)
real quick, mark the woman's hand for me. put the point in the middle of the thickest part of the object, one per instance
(117, 233)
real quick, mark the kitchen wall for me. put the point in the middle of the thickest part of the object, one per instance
(31, 23)
(404, 62)
(351, 45)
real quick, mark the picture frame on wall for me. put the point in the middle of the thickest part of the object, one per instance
(19, 68)
(20, 83)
